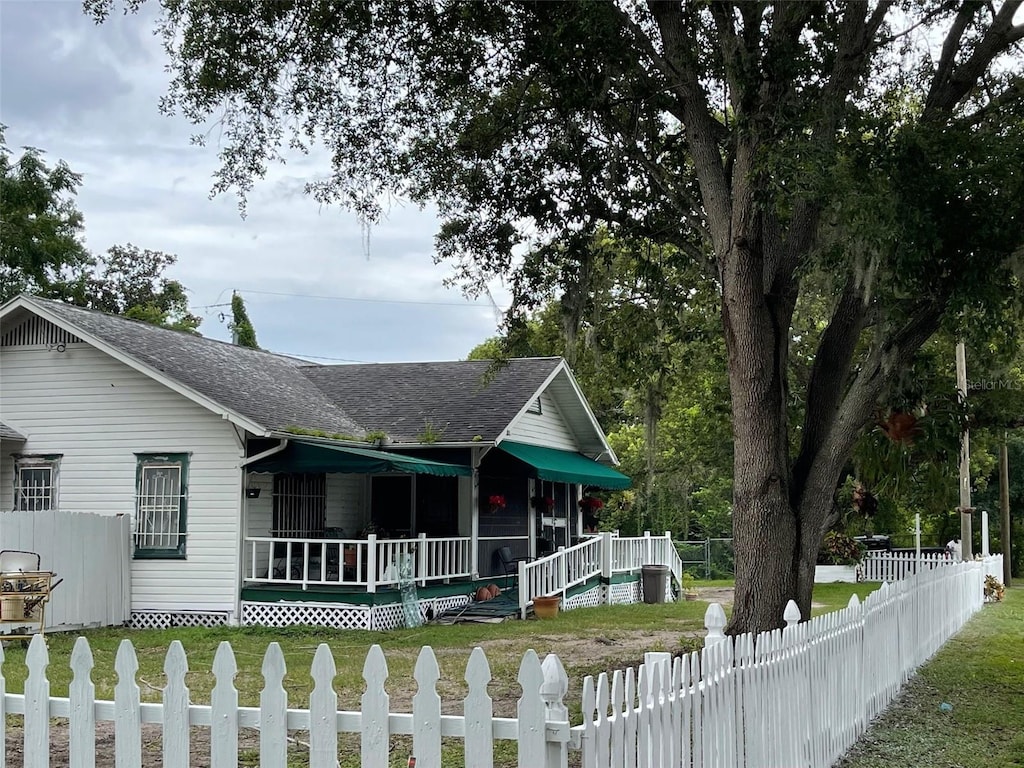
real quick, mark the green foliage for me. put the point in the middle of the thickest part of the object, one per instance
(652, 158)
(131, 281)
(431, 433)
(40, 227)
(839, 549)
(240, 324)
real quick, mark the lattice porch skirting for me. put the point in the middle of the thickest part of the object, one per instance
(626, 592)
(341, 615)
(168, 619)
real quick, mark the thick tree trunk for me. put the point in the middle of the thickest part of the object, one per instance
(766, 530)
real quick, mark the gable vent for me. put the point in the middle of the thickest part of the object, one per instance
(37, 332)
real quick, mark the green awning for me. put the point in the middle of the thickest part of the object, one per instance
(566, 466)
(303, 456)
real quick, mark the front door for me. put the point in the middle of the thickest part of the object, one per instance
(554, 527)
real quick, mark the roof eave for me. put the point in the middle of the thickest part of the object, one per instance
(25, 302)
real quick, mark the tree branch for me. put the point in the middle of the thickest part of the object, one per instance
(952, 83)
(701, 129)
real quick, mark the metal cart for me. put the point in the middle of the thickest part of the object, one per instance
(24, 592)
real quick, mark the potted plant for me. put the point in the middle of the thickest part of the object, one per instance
(496, 502)
(689, 586)
(839, 558)
(543, 503)
(546, 606)
(589, 506)
(994, 589)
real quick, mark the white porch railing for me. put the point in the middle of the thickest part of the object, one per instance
(602, 555)
(369, 563)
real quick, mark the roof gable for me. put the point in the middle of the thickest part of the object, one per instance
(259, 390)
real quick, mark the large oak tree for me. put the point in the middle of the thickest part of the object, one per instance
(871, 148)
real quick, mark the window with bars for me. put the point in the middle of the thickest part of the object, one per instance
(35, 483)
(300, 505)
(161, 505)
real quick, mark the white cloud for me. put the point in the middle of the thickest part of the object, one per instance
(88, 94)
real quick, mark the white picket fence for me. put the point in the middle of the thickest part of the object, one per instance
(541, 728)
(91, 553)
(795, 697)
(896, 566)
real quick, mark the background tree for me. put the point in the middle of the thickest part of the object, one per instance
(40, 227)
(872, 148)
(240, 325)
(130, 281)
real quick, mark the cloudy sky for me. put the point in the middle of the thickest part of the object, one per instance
(88, 95)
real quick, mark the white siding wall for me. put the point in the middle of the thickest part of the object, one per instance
(547, 428)
(98, 413)
(7, 463)
(346, 496)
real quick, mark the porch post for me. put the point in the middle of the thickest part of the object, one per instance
(531, 517)
(474, 513)
(607, 565)
(421, 560)
(371, 563)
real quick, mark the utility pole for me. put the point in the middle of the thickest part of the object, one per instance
(965, 458)
(1004, 504)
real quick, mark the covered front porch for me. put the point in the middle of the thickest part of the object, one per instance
(321, 514)
(599, 570)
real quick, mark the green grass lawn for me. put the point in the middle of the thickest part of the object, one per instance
(980, 673)
(588, 641)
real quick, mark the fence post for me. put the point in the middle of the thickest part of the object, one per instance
(647, 547)
(792, 614)
(984, 533)
(714, 623)
(553, 691)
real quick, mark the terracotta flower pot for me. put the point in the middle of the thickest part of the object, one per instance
(546, 607)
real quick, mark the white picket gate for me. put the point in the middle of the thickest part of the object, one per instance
(91, 553)
(794, 697)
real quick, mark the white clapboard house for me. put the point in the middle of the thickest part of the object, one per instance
(264, 489)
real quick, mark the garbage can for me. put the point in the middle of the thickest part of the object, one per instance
(655, 582)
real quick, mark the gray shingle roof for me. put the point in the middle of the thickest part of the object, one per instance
(6, 433)
(453, 398)
(266, 388)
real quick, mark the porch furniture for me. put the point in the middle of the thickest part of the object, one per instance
(509, 563)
